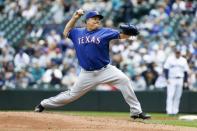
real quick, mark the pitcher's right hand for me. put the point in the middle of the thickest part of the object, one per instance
(79, 13)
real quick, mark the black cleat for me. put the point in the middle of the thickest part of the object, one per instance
(141, 116)
(39, 108)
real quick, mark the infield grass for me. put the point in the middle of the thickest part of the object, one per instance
(157, 118)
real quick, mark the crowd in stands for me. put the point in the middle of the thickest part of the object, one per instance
(44, 59)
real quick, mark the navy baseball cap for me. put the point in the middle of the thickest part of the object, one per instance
(91, 14)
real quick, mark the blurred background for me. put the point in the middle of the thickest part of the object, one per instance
(34, 55)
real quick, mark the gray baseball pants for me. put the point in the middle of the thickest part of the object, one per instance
(89, 79)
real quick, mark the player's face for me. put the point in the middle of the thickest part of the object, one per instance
(178, 54)
(93, 23)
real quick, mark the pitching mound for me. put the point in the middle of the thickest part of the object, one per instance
(24, 121)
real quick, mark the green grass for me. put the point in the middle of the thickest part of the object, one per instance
(171, 120)
(157, 118)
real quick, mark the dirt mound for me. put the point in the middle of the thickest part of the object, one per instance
(24, 121)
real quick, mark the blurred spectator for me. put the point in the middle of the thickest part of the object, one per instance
(1, 5)
(150, 76)
(6, 55)
(3, 41)
(37, 28)
(22, 79)
(11, 8)
(70, 78)
(128, 69)
(53, 75)
(89, 5)
(21, 60)
(34, 33)
(23, 4)
(37, 73)
(31, 10)
(70, 58)
(179, 6)
(44, 58)
(139, 83)
(2, 80)
(160, 82)
(58, 10)
(53, 37)
(9, 75)
(125, 12)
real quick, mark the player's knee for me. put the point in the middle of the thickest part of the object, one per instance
(124, 79)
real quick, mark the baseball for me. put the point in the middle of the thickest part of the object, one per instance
(80, 11)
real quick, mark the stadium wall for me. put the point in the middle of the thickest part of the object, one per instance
(151, 101)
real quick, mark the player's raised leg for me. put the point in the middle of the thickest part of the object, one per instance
(85, 82)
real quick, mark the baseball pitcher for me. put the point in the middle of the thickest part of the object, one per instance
(92, 49)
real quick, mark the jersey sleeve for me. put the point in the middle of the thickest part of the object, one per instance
(72, 33)
(112, 34)
(167, 64)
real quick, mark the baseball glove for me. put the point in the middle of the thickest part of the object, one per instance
(129, 29)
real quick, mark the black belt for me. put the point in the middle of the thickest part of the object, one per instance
(178, 77)
(97, 69)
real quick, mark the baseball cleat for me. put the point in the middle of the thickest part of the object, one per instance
(39, 108)
(141, 116)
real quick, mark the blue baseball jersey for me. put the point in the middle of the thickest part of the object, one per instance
(92, 47)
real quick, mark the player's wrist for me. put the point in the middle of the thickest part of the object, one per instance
(75, 17)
